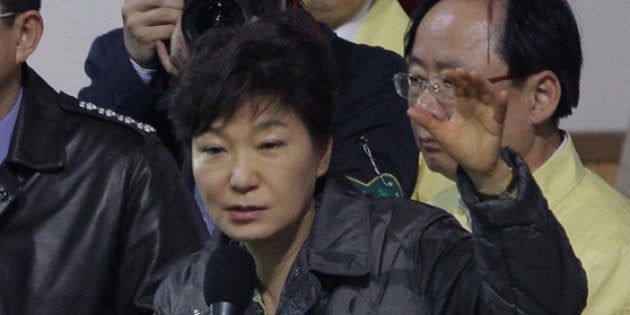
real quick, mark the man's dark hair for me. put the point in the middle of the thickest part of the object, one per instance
(278, 59)
(18, 6)
(537, 35)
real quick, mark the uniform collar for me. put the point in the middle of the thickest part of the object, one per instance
(559, 175)
(351, 28)
(38, 138)
(7, 125)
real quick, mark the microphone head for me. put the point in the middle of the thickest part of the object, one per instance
(230, 277)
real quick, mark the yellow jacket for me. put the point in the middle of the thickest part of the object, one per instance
(595, 216)
(384, 26)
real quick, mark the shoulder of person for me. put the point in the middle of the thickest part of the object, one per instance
(361, 54)
(108, 116)
(115, 36)
(408, 212)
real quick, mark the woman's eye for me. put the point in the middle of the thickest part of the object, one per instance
(268, 145)
(213, 150)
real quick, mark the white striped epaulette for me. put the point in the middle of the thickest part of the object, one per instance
(114, 115)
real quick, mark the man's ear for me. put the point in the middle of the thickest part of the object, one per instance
(29, 26)
(545, 94)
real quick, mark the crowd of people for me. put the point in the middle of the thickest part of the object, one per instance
(361, 159)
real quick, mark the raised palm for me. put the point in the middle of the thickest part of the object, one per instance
(472, 135)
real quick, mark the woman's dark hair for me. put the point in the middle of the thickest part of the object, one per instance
(278, 59)
(537, 35)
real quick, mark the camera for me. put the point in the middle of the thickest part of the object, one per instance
(201, 15)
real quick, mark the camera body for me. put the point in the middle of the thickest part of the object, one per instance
(201, 15)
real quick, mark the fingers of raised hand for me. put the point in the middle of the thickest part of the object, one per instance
(476, 95)
(422, 117)
(469, 85)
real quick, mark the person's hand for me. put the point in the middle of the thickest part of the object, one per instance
(173, 61)
(147, 22)
(472, 135)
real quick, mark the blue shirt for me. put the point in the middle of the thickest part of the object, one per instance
(6, 128)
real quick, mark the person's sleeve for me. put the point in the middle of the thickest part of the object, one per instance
(115, 84)
(161, 227)
(522, 254)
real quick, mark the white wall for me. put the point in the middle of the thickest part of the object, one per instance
(71, 25)
(605, 87)
(69, 28)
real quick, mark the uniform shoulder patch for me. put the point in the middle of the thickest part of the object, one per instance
(112, 115)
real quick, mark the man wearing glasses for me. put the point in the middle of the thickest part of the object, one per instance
(93, 211)
(532, 49)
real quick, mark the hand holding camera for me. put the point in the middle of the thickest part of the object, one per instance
(146, 22)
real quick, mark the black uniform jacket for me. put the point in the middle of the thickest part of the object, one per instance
(93, 210)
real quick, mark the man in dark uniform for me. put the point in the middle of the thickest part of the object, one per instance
(93, 210)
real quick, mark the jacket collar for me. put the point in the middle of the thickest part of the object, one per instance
(339, 243)
(559, 175)
(38, 138)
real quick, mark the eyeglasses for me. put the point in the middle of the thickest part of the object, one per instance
(6, 15)
(411, 87)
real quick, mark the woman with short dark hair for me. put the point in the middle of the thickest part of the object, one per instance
(257, 105)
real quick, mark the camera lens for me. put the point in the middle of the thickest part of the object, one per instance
(201, 15)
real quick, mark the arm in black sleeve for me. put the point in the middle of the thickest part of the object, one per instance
(518, 259)
(522, 253)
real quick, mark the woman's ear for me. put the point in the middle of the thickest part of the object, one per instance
(29, 26)
(324, 160)
(545, 95)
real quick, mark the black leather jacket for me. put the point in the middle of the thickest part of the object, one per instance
(93, 212)
(368, 255)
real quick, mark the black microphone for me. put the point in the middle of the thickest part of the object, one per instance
(230, 279)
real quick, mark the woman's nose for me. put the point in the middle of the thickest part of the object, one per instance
(244, 176)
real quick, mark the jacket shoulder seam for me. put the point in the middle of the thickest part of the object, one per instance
(113, 116)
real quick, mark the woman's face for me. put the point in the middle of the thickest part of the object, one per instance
(256, 174)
